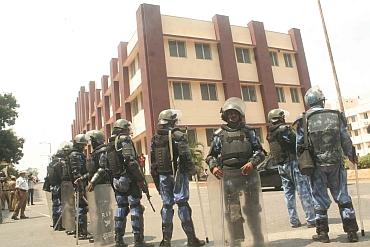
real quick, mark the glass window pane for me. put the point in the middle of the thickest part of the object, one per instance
(207, 51)
(204, 91)
(186, 90)
(239, 55)
(198, 51)
(173, 48)
(252, 94)
(212, 92)
(246, 56)
(181, 48)
(177, 92)
(245, 93)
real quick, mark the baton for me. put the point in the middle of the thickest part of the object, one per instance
(358, 192)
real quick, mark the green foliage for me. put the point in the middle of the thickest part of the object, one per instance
(8, 113)
(33, 171)
(10, 147)
(363, 162)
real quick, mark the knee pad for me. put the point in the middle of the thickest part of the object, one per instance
(167, 213)
(345, 205)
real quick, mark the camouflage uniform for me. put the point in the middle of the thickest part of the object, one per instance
(329, 139)
(282, 146)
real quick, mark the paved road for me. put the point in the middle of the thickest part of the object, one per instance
(36, 231)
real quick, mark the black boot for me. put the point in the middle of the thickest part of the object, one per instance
(139, 241)
(194, 241)
(322, 229)
(188, 228)
(119, 238)
(352, 237)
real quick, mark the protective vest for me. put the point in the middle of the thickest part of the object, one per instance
(77, 163)
(324, 136)
(281, 152)
(162, 154)
(236, 147)
(55, 173)
(95, 158)
(114, 160)
(66, 168)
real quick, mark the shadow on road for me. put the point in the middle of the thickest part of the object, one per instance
(290, 242)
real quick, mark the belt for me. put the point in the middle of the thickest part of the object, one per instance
(23, 190)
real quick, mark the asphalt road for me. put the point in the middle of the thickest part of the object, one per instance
(36, 231)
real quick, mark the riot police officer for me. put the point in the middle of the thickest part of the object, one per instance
(54, 174)
(77, 167)
(171, 165)
(128, 183)
(281, 138)
(329, 139)
(233, 158)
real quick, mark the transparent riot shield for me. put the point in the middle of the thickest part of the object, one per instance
(101, 205)
(236, 209)
(49, 202)
(68, 206)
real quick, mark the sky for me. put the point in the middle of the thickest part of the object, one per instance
(49, 49)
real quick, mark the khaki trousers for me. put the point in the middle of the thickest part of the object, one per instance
(21, 198)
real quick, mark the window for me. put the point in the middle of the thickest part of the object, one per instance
(356, 132)
(134, 107)
(274, 58)
(294, 95)
(139, 149)
(353, 119)
(202, 51)
(192, 136)
(358, 146)
(249, 93)
(208, 91)
(177, 48)
(280, 94)
(133, 67)
(366, 116)
(242, 55)
(288, 60)
(259, 134)
(181, 90)
(209, 135)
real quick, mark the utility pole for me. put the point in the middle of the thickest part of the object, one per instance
(339, 94)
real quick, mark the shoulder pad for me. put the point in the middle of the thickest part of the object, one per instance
(284, 127)
(177, 134)
(298, 119)
(217, 132)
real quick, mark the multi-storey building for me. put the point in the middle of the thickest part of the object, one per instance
(358, 113)
(193, 66)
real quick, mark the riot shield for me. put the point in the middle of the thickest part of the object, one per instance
(236, 209)
(101, 205)
(68, 206)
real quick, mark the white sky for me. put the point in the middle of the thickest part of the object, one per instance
(49, 49)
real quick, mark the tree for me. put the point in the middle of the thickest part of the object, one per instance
(10, 147)
(197, 153)
(8, 113)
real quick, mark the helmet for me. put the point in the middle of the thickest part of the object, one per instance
(233, 103)
(122, 124)
(275, 115)
(65, 146)
(168, 116)
(313, 96)
(80, 139)
(96, 136)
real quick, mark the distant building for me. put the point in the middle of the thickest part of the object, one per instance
(193, 66)
(358, 113)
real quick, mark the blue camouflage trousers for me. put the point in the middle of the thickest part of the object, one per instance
(293, 181)
(175, 191)
(56, 202)
(333, 177)
(127, 204)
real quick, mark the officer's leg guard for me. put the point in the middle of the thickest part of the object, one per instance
(347, 214)
(167, 213)
(322, 227)
(253, 213)
(137, 223)
(184, 212)
(120, 220)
